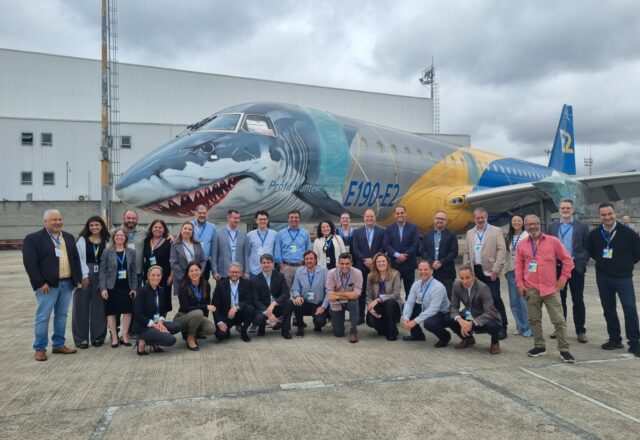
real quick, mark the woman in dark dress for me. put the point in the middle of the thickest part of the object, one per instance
(156, 252)
(118, 283)
(88, 306)
(150, 324)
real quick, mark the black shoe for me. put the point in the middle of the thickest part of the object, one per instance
(97, 343)
(536, 351)
(116, 345)
(553, 335)
(253, 328)
(611, 345)
(391, 337)
(156, 349)
(140, 353)
(245, 337)
(380, 333)
(286, 335)
(260, 331)
(278, 326)
(441, 344)
(126, 344)
(502, 335)
(296, 324)
(300, 332)
(635, 350)
(196, 348)
(131, 334)
(567, 358)
(83, 346)
(413, 338)
(317, 329)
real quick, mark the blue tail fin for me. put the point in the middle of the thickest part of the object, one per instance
(563, 155)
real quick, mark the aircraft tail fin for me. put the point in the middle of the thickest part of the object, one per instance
(563, 157)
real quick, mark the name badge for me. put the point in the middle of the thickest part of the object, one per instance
(607, 253)
(293, 248)
(152, 261)
(533, 266)
(346, 247)
(156, 318)
(310, 295)
(122, 274)
(233, 249)
(328, 260)
(96, 268)
(467, 315)
(418, 301)
(478, 246)
(58, 252)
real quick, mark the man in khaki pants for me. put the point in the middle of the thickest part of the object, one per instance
(536, 279)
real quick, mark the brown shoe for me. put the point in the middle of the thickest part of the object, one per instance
(582, 338)
(466, 342)
(495, 348)
(353, 336)
(64, 350)
(41, 356)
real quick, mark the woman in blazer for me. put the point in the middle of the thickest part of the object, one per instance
(156, 250)
(195, 304)
(88, 306)
(118, 283)
(150, 324)
(383, 297)
(184, 250)
(328, 246)
(517, 303)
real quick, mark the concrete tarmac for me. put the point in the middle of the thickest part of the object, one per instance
(315, 387)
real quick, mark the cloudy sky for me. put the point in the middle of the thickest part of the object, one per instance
(504, 67)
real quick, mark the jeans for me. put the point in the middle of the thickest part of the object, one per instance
(518, 305)
(607, 287)
(56, 301)
(337, 317)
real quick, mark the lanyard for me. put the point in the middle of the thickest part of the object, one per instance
(481, 236)
(382, 287)
(344, 281)
(197, 292)
(328, 244)
(200, 228)
(534, 248)
(158, 244)
(233, 239)
(262, 239)
(437, 236)
(349, 232)
(604, 235)
(425, 287)
(293, 239)
(311, 278)
(96, 251)
(188, 250)
(132, 235)
(514, 241)
(157, 302)
(56, 241)
(234, 293)
(562, 235)
(124, 257)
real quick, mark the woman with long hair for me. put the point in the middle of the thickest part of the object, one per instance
(150, 324)
(88, 322)
(383, 297)
(517, 303)
(156, 251)
(118, 284)
(327, 245)
(184, 250)
(195, 304)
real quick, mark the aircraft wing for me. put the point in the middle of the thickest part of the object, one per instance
(583, 189)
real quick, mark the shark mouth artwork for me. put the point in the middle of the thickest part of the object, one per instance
(184, 204)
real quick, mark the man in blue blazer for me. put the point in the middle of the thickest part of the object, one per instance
(230, 245)
(367, 241)
(440, 248)
(402, 247)
(271, 298)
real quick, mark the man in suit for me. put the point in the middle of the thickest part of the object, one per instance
(204, 232)
(271, 298)
(230, 244)
(233, 298)
(51, 260)
(573, 235)
(440, 248)
(479, 315)
(367, 241)
(402, 247)
(486, 252)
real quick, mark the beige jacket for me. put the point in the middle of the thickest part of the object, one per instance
(494, 249)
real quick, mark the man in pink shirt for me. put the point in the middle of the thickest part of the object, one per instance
(537, 281)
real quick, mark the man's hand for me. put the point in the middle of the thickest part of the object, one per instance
(222, 326)
(298, 300)
(408, 325)
(560, 285)
(160, 326)
(333, 297)
(45, 289)
(232, 312)
(320, 310)
(523, 291)
(104, 294)
(211, 308)
(401, 258)
(217, 276)
(494, 275)
(367, 262)
(132, 294)
(465, 327)
(84, 283)
(245, 275)
(437, 265)
(170, 238)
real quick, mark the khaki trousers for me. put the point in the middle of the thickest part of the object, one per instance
(556, 314)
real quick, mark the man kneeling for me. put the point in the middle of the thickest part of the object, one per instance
(309, 294)
(233, 298)
(479, 315)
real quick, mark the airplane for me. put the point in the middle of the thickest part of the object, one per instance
(280, 157)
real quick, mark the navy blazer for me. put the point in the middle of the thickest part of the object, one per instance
(408, 245)
(262, 294)
(145, 307)
(40, 261)
(222, 297)
(579, 234)
(447, 253)
(361, 247)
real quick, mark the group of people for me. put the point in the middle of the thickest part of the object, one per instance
(124, 279)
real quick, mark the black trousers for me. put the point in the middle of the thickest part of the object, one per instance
(494, 286)
(445, 280)
(492, 327)
(242, 318)
(283, 310)
(576, 283)
(436, 324)
(408, 276)
(309, 309)
(362, 300)
(152, 336)
(387, 324)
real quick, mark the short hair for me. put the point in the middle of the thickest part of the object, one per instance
(129, 210)
(154, 267)
(201, 206)
(345, 213)
(369, 209)
(439, 211)
(262, 212)
(310, 252)
(345, 256)
(606, 205)
(565, 201)
(232, 211)
(531, 216)
(236, 264)
(480, 210)
(293, 211)
(112, 240)
(400, 206)
(266, 257)
(426, 261)
(466, 267)
(49, 212)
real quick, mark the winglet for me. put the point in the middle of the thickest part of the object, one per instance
(563, 157)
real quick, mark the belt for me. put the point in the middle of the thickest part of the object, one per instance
(292, 264)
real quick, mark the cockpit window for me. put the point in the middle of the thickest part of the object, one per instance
(226, 122)
(258, 124)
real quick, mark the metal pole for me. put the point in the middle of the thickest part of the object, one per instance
(105, 166)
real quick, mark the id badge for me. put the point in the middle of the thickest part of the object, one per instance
(607, 253)
(467, 315)
(122, 274)
(156, 318)
(96, 268)
(293, 248)
(58, 252)
(233, 249)
(533, 266)
(418, 301)
(328, 260)
(152, 261)
(310, 296)
(346, 247)
(478, 246)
